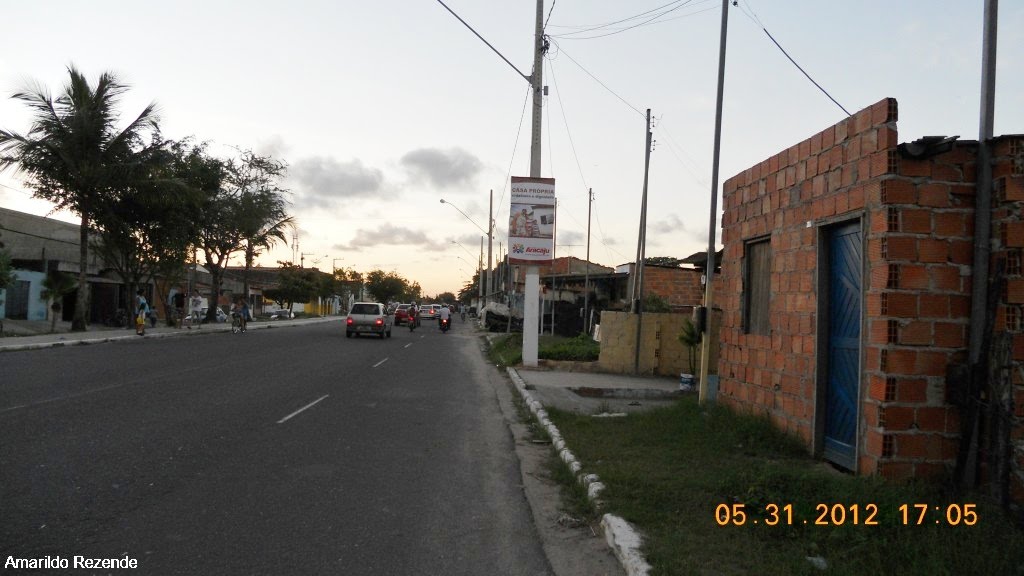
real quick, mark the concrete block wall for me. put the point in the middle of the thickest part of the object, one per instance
(661, 353)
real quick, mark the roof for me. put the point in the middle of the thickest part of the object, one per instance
(700, 259)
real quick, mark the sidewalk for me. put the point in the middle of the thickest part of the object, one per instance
(592, 392)
(33, 335)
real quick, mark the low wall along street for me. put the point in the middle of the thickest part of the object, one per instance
(661, 352)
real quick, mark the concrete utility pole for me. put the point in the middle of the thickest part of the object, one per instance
(490, 245)
(641, 251)
(531, 322)
(586, 273)
(709, 274)
(966, 464)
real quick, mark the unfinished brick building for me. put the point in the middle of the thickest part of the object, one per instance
(847, 295)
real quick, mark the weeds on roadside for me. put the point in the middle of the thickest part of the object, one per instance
(676, 473)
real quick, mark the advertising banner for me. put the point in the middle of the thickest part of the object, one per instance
(531, 226)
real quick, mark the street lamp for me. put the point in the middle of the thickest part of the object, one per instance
(463, 247)
(485, 286)
(443, 201)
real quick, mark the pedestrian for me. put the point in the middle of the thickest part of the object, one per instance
(196, 310)
(179, 307)
(141, 311)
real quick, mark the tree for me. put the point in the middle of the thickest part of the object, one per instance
(385, 286)
(261, 203)
(471, 289)
(149, 230)
(662, 261)
(219, 231)
(446, 298)
(55, 285)
(296, 284)
(690, 337)
(7, 275)
(75, 156)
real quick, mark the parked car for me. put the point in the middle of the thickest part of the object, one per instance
(402, 314)
(221, 315)
(368, 318)
(282, 314)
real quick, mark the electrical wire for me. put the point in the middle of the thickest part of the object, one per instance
(595, 27)
(623, 100)
(515, 147)
(675, 149)
(649, 22)
(550, 10)
(753, 18)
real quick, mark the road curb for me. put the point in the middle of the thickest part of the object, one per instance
(622, 538)
(178, 332)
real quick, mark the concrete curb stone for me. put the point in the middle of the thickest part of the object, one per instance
(621, 536)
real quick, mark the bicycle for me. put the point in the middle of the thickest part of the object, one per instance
(236, 323)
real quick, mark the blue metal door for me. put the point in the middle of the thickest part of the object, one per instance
(844, 323)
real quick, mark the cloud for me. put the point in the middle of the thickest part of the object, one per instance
(670, 224)
(391, 235)
(450, 168)
(571, 238)
(324, 182)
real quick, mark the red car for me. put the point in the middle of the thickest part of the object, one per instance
(402, 314)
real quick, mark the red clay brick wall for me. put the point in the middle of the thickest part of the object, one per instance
(918, 226)
(830, 174)
(1008, 247)
(920, 251)
(679, 286)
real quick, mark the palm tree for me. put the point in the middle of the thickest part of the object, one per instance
(261, 204)
(55, 286)
(75, 156)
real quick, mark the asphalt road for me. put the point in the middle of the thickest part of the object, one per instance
(290, 451)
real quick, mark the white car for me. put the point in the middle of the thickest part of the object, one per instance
(368, 318)
(221, 316)
(282, 315)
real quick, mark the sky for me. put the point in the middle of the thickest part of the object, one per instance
(383, 108)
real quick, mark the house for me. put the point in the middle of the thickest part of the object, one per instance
(846, 279)
(38, 245)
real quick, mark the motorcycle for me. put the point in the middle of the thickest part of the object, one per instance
(444, 324)
(413, 321)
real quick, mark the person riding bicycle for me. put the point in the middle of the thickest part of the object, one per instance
(240, 310)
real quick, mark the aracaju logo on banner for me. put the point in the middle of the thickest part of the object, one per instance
(531, 226)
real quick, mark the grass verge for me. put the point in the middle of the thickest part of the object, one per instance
(667, 471)
(508, 350)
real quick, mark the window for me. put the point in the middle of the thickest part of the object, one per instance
(756, 286)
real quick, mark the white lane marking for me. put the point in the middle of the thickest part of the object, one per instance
(407, 345)
(68, 397)
(381, 362)
(306, 407)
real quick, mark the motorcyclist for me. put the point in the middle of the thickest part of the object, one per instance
(414, 316)
(444, 316)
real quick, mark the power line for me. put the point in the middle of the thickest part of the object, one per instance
(658, 19)
(623, 100)
(515, 146)
(753, 18)
(594, 27)
(527, 78)
(550, 10)
(565, 119)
